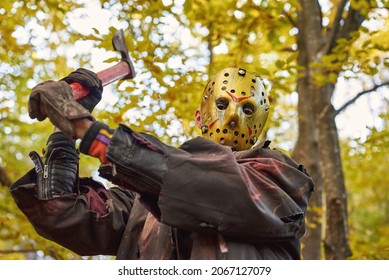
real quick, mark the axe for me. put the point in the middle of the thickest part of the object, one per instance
(121, 71)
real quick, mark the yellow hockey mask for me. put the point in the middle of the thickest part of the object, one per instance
(234, 108)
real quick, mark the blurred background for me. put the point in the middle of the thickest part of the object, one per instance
(324, 63)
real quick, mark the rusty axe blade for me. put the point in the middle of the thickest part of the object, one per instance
(121, 71)
(119, 44)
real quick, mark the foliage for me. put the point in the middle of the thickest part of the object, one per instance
(365, 165)
(172, 44)
(32, 41)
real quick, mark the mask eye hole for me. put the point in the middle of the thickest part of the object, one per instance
(222, 103)
(248, 109)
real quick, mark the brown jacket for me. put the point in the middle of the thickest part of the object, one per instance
(201, 201)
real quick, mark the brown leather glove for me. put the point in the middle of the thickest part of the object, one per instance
(55, 100)
(89, 80)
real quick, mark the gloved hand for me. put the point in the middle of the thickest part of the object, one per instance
(55, 100)
(89, 80)
(57, 170)
(58, 140)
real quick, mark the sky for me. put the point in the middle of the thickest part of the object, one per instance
(364, 113)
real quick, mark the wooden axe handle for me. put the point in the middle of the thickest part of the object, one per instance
(107, 76)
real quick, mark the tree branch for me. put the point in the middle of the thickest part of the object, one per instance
(334, 31)
(351, 23)
(4, 179)
(22, 251)
(355, 98)
(289, 17)
(210, 47)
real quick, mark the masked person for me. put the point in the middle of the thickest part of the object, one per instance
(215, 197)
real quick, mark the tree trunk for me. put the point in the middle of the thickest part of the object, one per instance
(306, 152)
(336, 242)
(319, 138)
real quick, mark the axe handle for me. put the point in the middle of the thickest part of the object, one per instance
(107, 76)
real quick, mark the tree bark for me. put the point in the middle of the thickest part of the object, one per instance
(336, 241)
(306, 152)
(318, 134)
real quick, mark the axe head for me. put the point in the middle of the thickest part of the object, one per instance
(119, 44)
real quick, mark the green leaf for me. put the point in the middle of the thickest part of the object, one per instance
(262, 71)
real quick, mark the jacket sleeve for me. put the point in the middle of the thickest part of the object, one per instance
(202, 186)
(90, 222)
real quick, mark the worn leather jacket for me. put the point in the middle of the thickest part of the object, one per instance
(198, 201)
